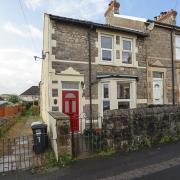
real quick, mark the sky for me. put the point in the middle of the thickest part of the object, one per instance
(21, 32)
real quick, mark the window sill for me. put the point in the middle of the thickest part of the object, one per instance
(117, 65)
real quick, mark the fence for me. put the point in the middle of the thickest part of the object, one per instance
(19, 153)
(88, 141)
(10, 110)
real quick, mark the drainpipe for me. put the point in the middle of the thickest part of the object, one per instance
(172, 56)
(90, 81)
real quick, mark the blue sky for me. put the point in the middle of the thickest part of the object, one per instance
(21, 38)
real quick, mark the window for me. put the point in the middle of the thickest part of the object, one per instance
(70, 85)
(54, 82)
(55, 108)
(157, 75)
(177, 47)
(106, 98)
(123, 95)
(127, 51)
(106, 48)
(54, 92)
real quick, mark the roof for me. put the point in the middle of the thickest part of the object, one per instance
(164, 25)
(101, 75)
(131, 17)
(32, 91)
(97, 25)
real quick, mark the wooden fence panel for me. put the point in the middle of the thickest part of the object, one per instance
(10, 110)
(2, 112)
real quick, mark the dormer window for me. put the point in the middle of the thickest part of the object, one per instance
(106, 48)
(127, 51)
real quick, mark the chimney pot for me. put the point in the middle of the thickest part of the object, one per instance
(168, 17)
(113, 8)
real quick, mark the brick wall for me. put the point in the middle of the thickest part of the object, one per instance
(124, 126)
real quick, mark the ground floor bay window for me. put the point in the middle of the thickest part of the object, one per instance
(123, 95)
(117, 94)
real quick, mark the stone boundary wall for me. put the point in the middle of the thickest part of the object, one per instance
(122, 127)
(58, 131)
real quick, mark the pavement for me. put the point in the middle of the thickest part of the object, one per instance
(162, 162)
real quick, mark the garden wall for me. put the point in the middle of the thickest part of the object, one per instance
(123, 127)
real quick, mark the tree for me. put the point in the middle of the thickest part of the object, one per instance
(14, 99)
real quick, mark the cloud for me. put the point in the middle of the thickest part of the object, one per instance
(33, 4)
(83, 9)
(25, 31)
(19, 70)
(90, 10)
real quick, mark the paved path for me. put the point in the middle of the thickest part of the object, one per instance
(147, 164)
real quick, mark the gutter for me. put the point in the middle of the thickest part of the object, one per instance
(172, 59)
(90, 80)
(163, 25)
(97, 25)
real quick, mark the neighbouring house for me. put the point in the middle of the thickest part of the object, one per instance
(6, 97)
(31, 95)
(127, 62)
(3, 103)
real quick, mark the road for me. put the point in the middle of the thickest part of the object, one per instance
(156, 163)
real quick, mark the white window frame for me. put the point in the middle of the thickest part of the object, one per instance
(130, 91)
(69, 89)
(105, 99)
(106, 49)
(132, 51)
(177, 47)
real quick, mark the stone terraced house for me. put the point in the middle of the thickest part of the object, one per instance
(127, 62)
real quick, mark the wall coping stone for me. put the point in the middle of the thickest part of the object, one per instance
(59, 116)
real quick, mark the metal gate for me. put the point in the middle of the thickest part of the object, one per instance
(89, 141)
(17, 154)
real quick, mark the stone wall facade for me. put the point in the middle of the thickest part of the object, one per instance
(159, 59)
(158, 55)
(71, 50)
(122, 127)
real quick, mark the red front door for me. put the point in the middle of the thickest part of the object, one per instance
(70, 106)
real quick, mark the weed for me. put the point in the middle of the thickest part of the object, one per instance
(134, 146)
(107, 152)
(168, 139)
(146, 142)
(66, 160)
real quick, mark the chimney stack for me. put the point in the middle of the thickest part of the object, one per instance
(168, 17)
(112, 9)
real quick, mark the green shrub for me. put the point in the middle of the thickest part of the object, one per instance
(35, 110)
(14, 99)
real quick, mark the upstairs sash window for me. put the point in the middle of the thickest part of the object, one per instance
(127, 51)
(106, 48)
